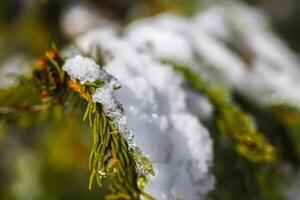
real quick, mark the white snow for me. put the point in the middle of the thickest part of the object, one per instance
(104, 96)
(82, 68)
(161, 112)
(164, 128)
(293, 192)
(184, 41)
(272, 76)
(155, 100)
(202, 43)
(163, 43)
(154, 109)
(11, 69)
(79, 18)
(85, 69)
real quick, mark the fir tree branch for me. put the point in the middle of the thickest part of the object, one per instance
(110, 156)
(231, 121)
(7, 110)
(287, 114)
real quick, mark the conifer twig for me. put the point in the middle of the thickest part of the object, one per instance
(231, 121)
(14, 109)
(110, 156)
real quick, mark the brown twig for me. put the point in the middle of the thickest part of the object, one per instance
(7, 110)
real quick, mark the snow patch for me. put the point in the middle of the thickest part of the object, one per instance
(154, 97)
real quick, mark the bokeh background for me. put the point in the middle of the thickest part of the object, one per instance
(47, 159)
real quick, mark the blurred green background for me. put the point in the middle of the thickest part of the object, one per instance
(28, 26)
(45, 156)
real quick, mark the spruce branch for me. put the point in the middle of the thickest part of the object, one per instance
(288, 115)
(110, 156)
(230, 120)
(20, 103)
(14, 109)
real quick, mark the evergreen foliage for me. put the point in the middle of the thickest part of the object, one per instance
(110, 156)
(238, 125)
(255, 141)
